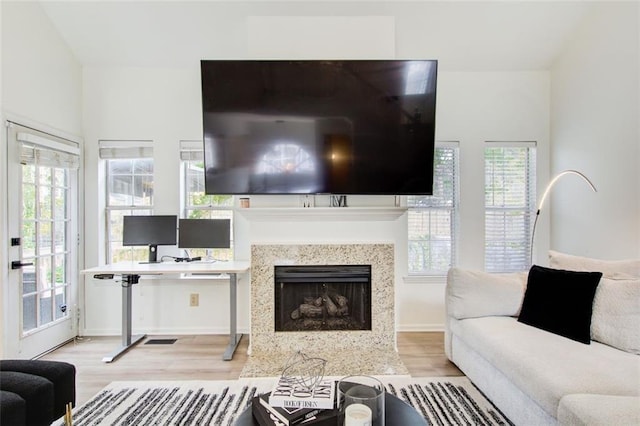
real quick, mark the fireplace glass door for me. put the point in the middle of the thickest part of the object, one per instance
(322, 297)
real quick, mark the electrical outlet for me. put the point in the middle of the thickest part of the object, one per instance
(194, 299)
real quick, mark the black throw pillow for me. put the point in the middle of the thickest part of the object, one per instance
(560, 302)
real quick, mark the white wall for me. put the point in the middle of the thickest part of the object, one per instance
(164, 105)
(41, 88)
(595, 129)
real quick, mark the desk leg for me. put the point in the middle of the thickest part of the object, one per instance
(234, 337)
(127, 340)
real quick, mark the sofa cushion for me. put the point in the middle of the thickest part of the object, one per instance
(598, 410)
(616, 314)
(12, 409)
(472, 294)
(560, 301)
(546, 366)
(37, 393)
(609, 268)
(61, 374)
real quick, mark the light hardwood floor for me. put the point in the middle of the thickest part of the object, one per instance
(200, 358)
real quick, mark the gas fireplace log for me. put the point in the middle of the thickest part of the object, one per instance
(295, 314)
(343, 311)
(341, 302)
(309, 311)
(332, 309)
(315, 301)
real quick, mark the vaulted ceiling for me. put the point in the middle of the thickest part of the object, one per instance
(464, 36)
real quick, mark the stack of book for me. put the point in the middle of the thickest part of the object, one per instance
(288, 404)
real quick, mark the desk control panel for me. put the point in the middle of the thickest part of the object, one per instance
(103, 276)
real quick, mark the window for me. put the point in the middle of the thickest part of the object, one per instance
(129, 179)
(510, 175)
(197, 204)
(432, 219)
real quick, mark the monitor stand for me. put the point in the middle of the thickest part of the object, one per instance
(153, 254)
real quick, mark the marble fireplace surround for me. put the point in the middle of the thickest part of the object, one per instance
(347, 352)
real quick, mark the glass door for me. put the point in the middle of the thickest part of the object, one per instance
(44, 240)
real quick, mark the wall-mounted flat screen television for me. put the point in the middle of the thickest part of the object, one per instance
(312, 127)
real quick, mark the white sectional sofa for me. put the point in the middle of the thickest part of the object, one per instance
(538, 377)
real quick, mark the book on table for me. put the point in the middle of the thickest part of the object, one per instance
(267, 415)
(289, 393)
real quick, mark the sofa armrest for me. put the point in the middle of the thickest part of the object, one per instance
(473, 294)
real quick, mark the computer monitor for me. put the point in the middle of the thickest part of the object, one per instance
(204, 233)
(149, 231)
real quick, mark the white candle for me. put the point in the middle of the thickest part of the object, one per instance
(357, 415)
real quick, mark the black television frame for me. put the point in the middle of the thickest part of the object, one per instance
(372, 164)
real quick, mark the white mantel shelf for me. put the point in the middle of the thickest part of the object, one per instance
(300, 214)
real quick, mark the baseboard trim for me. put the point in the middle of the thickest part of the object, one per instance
(164, 331)
(420, 327)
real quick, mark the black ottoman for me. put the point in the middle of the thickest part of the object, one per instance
(61, 374)
(37, 393)
(13, 409)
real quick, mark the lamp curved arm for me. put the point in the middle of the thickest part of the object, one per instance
(545, 194)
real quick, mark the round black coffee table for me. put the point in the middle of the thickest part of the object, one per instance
(396, 413)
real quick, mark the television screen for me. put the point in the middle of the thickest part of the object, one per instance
(312, 127)
(204, 233)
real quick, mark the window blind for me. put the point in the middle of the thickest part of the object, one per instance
(48, 151)
(122, 149)
(509, 205)
(432, 220)
(191, 151)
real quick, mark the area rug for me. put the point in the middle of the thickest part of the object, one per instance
(441, 400)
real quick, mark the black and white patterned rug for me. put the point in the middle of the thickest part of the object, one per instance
(441, 400)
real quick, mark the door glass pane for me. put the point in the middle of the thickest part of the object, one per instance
(45, 237)
(28, 201)
(46, 305)
(60, 272)
(29, 312)
(60, 245)
(44, 202)
(28, 173)
(60, 178)
(44, 174)
(29, 279)
(60, 210)
(28, 239)
(45, 272)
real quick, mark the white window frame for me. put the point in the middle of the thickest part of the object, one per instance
(507, 248)
(110, 150)
(437, 205)
(191, 152)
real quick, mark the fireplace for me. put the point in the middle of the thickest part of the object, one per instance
(322, 297)
(369, 350)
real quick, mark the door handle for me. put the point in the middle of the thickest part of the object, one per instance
(16, 264)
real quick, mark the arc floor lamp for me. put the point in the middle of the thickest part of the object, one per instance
(546, 193)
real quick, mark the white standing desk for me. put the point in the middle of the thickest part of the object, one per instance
(131, 272)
